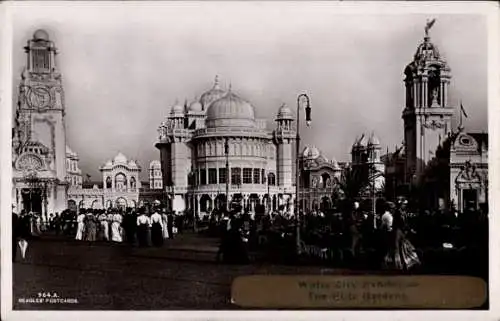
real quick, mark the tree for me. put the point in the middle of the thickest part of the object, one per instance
(355, 181)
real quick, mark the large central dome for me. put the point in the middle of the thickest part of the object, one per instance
(230, 111)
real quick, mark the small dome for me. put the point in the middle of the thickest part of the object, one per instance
(177, 110)
(373, 140)
(362, 141)
(108, 164)
(313, 153)
(212, 95)
(69, 151)
(335, 163)
(305, 151)
(230, 111)
(155, 164)
(284, 112)
(120, 158)
(41, 34)
(427, 51)
(132, 163)
(195, 106)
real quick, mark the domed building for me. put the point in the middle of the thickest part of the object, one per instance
(119, 187)
(318, 180)
(221, 131)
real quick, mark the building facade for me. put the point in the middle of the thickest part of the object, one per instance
(443, 166)
(317, 180)
(155, 175)
(119, 187)
(217, 143)
(427, 114)
(39, 150)
(366, 152)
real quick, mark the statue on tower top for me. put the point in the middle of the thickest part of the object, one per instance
(428, 26)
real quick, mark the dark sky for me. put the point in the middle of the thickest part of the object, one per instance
(124, 67)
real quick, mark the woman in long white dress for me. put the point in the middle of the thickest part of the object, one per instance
(116, 233)
(103, 222)
(80, 226)
(165, 221)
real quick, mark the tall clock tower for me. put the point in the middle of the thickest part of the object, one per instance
(39, 135)
(427, 114)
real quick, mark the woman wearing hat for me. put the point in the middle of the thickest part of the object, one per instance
(116, 227)
(401, 254)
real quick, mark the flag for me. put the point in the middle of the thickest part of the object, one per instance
(463, 110)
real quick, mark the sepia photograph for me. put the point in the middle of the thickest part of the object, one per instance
(208, 155)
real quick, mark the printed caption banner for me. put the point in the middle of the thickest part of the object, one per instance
(411, 292)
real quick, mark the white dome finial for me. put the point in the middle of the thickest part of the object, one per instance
(216, 82)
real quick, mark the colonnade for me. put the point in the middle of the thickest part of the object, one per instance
(206, 202)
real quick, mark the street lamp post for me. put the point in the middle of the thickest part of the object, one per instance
(268, 195)
(297, 171)
(226, 152)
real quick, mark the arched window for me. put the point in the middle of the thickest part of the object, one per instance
(108, 182)
(325, 180)
(132, 182)
(271, 179)
(120, 182)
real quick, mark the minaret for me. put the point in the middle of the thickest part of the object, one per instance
(427, 114)
(284, 136)
(40, 117)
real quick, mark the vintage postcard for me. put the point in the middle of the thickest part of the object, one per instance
(199, 158)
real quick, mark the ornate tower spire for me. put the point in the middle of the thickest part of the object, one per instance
(427, 114)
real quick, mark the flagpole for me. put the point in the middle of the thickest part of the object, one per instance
(461, 111)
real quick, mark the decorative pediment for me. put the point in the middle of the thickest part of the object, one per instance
(465, 142)
(30, 162)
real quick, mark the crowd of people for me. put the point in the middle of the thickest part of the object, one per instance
(393, 238)
(145, 226)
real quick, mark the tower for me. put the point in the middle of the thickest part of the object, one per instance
(427, 114)
(175, 156)
(155, 176)
(39, 134)
(374, 159)
(284, 136)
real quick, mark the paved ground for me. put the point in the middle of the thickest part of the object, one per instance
(182, 274)
(105, 276)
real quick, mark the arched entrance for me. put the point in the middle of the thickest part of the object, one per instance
(205, 203)
(236, 202)
(220, 202)
(325, 204)
(96, 205)
(253, 201)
